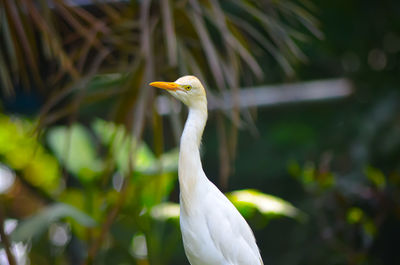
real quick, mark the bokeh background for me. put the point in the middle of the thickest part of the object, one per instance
(303, 132)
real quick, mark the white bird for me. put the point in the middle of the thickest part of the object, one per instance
(213, 231)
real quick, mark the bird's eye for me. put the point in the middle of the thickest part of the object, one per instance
(188, 87)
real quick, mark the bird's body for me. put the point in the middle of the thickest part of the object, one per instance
(213, 231)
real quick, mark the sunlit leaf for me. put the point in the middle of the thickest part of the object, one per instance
(139, 246)
(247, 201)
(120, 143)
(21, 151)
(165, 211)
(266, 204)
(74, 147)
(122, 146)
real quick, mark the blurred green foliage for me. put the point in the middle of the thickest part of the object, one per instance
(22, 152)
(40, 222)
(96, 161)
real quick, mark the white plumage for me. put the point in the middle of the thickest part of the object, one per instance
(213, 231)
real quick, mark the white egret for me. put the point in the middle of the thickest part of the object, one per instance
(213, 231)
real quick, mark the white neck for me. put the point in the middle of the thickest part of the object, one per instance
(190, 170)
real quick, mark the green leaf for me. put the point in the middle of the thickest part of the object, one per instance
(376, 177)
(35, 225)
(354, 215)
(73, 146)
(156, 188)
(249, 200)
(370, 228)
(120, 143)
(23, 152)
(89, 201)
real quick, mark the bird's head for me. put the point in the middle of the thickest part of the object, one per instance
(187, 89)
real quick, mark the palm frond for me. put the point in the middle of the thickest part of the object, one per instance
(61, 49)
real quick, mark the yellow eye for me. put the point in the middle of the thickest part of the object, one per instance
(188, 87)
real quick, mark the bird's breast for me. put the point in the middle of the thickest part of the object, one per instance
(197, 241)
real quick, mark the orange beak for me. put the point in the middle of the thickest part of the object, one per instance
(166, 85)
